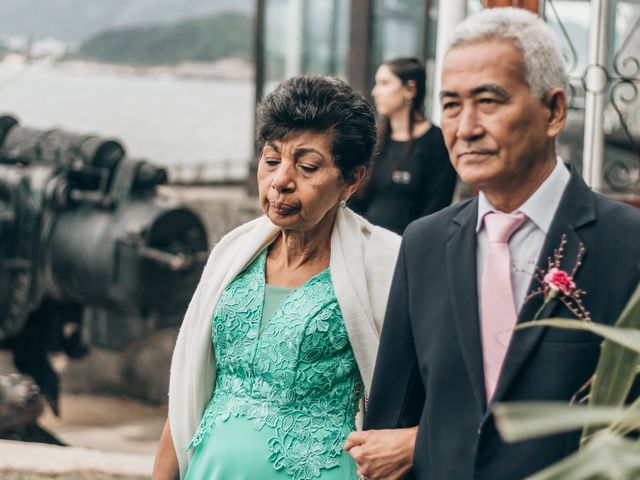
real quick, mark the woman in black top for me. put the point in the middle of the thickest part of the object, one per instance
(411, 175)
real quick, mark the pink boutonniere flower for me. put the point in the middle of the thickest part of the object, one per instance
(559, 281)
(556, 282)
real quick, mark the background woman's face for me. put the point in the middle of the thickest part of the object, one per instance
(389, 94)
(299, 184)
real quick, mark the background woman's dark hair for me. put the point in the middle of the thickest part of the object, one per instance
(321, 104)
(406, 69)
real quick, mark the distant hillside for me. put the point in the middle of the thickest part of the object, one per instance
(78, 20)
(202, 39)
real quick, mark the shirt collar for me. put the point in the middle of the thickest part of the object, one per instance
(539, 207)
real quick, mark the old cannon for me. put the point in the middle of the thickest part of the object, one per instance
(90, 253)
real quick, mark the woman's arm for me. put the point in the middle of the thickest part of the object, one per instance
(166, 465)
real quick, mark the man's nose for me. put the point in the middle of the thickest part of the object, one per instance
(283, 180)
(469, 126)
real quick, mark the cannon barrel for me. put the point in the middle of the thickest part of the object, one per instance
(57, 147)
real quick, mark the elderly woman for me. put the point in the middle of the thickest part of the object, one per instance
(279, 342)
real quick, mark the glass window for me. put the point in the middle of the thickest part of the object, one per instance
(326, 37)
(398, 29)
(277, 24)
(401, 28)
(622, 113)
(305, 36)
(570, 21)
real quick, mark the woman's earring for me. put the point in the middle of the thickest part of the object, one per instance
(343, 203)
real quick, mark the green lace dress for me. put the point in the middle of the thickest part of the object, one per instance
(287, 386)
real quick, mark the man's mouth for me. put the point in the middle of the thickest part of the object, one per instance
(474, 154)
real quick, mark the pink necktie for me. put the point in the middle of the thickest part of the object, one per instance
(498, 313)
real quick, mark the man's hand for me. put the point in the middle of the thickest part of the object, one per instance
(382, 454)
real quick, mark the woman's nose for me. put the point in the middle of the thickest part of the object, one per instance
(283, 178)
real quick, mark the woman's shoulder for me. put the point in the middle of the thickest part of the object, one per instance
(376, 237)
(433, 133)
(248, 235)
(259, 223)
(422, 128)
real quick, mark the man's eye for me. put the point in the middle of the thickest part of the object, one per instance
(450, 107)
(271, 161)
(488, 101)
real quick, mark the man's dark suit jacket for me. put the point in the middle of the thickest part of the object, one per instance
(429, 368)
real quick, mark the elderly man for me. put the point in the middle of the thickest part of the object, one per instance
(466, 275)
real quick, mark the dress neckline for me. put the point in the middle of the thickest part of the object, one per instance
(263, 266)
(278, 288)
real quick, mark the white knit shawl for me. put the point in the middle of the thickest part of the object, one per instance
(362, 262)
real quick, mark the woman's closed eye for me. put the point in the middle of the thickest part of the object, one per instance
(307, 168)
(271, 161)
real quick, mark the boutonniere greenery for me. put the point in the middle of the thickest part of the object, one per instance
(558, 283)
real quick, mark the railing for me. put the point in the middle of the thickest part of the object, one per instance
(604, 94)
(229, 172)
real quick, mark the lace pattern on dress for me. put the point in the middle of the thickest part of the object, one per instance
(299, 376)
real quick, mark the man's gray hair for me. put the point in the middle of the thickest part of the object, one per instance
(544, 63)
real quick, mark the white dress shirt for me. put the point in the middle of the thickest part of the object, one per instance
(526, 243)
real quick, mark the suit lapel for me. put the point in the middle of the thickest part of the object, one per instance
(463, 291)
(576, 209)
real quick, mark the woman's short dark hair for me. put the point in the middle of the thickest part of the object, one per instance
(321, 104)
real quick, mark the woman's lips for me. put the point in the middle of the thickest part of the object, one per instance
(283, 208)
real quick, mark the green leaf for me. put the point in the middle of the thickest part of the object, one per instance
(525, 420)
(618, 363)
(627, 337)
(606, 457)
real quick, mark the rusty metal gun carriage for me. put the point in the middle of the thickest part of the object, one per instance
(90, 253)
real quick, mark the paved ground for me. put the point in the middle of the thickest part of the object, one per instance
(88, 475)
(107, 424)
(108, 438)
(33, 461)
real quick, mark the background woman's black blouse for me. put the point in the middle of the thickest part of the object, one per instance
(400, 193)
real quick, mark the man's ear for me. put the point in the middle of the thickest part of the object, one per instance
(556, 102)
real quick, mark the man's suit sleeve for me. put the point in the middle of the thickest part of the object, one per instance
(397, 394)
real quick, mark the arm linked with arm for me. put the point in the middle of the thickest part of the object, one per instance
(397, 393)
(385, 448)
